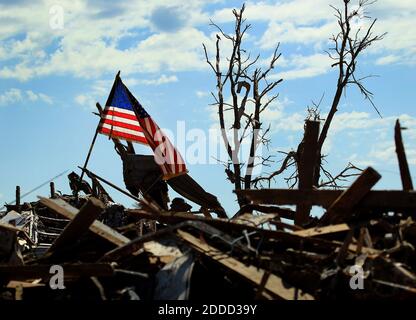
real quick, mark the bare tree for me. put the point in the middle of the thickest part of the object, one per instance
(354, 37)
(242, 74)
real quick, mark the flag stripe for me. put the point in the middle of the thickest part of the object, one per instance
(120, 114)
(121, 119)
(124, 111)
(126, 136)
(123, 130)
(123, 125)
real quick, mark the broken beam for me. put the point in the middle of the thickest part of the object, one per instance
(254, 275)
(79, 225)
(65, 209)
(401, 157)
(312, 232)
(342, 207)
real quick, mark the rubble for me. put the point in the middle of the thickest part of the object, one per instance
(362, 247)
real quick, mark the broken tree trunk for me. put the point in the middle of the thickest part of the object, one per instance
(401, 157)
(306, 167)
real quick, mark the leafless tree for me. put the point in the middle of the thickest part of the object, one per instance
(355, 35)
(242, 76)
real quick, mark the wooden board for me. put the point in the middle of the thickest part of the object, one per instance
(79, 224)
(65, 209)
(312, 232)
(342, 208)
(9, 227)
(252, 274)
(287, 237)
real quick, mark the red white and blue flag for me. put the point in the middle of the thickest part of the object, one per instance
(125, 118)
(118, 119)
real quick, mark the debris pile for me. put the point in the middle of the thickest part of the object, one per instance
(86, 246)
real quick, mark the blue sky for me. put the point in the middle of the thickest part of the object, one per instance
(50, 79)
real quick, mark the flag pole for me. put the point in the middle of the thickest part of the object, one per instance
(91, 146)
(100, 110)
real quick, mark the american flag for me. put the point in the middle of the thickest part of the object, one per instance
(118, 119)
(144, 130)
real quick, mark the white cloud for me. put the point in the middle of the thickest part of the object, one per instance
(301, 66)
(85, 100)
(387, 59)
(92, 41)
(89, 44)
(38, 97)
(201, 94)
(15, 95)
(163, 79)
(302, 11)
(308, 22)
(288, 32)
(11, 96)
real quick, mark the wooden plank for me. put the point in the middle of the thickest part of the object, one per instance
(282, 212)
(9, 227)
(312, 232)
(307, 162)
(401, 157)
(65, 209)
(23, 284)
(255, 220)
(79, 225)
(282, 225)
(386, 200)
(342, 207)
(254, 275)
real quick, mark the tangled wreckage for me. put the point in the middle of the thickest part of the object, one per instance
(362, 247)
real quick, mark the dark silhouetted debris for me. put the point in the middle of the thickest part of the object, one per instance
(363, 246)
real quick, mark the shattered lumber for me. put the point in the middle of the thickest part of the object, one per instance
(343, 206)
(255, 275)
(255, 255)
(64, 209)
(312, 232)
(79, 224)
